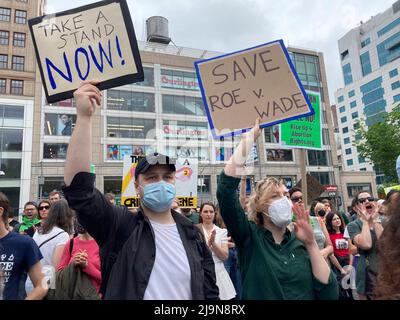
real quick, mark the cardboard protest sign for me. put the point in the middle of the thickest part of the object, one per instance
(129, 195)
(186, 182)
(304, 133)
(93, 42)
(257, 82)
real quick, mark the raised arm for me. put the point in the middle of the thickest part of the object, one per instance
(242, 191)
(231, 210)
(95, 213)
(79, 154)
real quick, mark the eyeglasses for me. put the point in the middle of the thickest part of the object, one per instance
(370, 199)
(44, 207)
(297, 199)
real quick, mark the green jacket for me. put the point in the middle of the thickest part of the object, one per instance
(72, 284)
(269, 270)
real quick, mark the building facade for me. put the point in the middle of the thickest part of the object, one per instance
(165, 113)
(18, 81)
(370, 63)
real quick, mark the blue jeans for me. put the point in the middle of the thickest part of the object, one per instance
(232, 266)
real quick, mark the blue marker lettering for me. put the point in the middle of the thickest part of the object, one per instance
(78, 68)
(119, 50)
(50, 65)
(102, 52)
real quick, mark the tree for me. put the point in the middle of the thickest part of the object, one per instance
(381, 143)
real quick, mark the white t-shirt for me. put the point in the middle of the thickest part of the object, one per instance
(47, 249)
(170, 277)
(346, 233)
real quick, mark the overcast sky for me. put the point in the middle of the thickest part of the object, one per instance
(231, 25)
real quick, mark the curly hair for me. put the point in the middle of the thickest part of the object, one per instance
(388, 283)
(259, 199)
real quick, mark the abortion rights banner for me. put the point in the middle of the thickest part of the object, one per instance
(93, 42)
(305, 133)
(257, 82)
(186, 182)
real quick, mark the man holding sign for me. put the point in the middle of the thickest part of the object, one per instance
(156, 254)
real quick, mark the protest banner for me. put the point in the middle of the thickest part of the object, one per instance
(304, 132)
(256, 82)
(129, 195)
(186, 182)
(92, 42)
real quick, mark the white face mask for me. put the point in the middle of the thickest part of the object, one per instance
(280, 212)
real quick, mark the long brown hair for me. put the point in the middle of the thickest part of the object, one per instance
(60, 215)
(5, 204)
(388, 284)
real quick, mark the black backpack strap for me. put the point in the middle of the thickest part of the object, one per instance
(44, 242)
(71, 245)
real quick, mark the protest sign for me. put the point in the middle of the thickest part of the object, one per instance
(305, 133)
(129, 195)
(257, 82)
(186, 182)
(92, 42)
(388, 189)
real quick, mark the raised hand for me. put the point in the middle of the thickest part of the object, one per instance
(87, 96)
(302, 226)
(255, 132)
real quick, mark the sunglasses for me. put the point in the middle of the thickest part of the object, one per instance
(44, 207)
(370, 199)
(297, 199)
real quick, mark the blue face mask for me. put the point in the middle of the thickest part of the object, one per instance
(158, 196)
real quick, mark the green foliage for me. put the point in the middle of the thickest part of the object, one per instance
(381, 143)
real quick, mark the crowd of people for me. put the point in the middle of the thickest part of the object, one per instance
(79, 244)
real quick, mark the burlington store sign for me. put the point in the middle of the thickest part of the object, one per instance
(179, 83)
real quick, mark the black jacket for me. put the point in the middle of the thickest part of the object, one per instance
(127, 244)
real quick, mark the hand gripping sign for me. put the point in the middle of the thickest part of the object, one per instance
(93, 42)
(257, 82)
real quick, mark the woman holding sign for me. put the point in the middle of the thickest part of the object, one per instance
(275, 263)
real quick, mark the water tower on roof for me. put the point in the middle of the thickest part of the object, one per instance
(157, 30)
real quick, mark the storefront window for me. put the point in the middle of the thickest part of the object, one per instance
(64, 103)
(55, 150)
(182, 105)
(117, 152)
(317, 158)
(130, 101)
(271, 134)
(11, 168)
(113, 185)
(279, 155)
(148, 78)
(50, 184)
(10, 140)
(322, 177)
(59, 124)
(223, 153)
(204, 184)
(129, 127)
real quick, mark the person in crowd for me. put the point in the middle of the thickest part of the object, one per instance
(30, 220)
(52, 236)
(243, 198)
(83, 252)
(327, 205)
(110, 197)
(55, 196)
(398, 167)
(318, 223)
(154, 255)
(191, 214)
(340, 259)
(275, 263)
(217, 241)
(44, 209)
(364, 233)
(388, 280)
(19, 254)
(353, 210)
(12, 221)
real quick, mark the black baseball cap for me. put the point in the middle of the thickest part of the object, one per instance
(151, 160)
